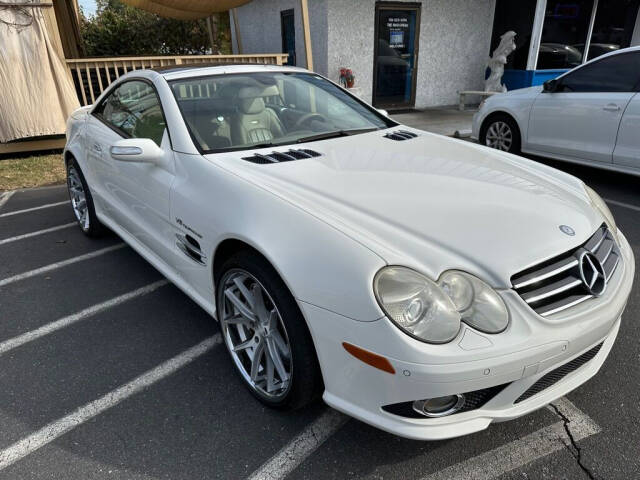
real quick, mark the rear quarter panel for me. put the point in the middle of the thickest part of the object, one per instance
(75, 135)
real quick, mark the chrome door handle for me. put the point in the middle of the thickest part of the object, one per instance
(97, 147)
(611, 107)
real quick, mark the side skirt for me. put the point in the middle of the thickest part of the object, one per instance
(587, 163)
(161, 266)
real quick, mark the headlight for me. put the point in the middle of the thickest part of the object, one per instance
(416, 305)
(431, 311)
(602, 207)
(478, 304)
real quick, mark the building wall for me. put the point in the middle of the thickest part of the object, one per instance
(455, 36)
(260, 29)
(454, 42)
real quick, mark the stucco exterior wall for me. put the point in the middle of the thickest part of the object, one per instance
(455, 36)
(350, 41)
(260, 29)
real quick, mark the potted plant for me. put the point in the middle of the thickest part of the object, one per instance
(347, 78)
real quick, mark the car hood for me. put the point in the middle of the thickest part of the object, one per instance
(431, 202)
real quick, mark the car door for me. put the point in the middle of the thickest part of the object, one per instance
(580, 118)
(134, 195)
(627, 151)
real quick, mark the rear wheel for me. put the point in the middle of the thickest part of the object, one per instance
(502, 133)
(82, 201)
(265, 333)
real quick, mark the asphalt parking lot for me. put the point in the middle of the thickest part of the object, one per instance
(107, 371)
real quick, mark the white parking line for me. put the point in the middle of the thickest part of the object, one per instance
(4, 198)
(35, 234)
(64, 263)
(33, 209)
(525, 450)
(294, 453)
(56, 429)
(27, 337)
(622, 204)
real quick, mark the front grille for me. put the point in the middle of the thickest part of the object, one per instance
(558, 374)
(555, 285)
(472, 401)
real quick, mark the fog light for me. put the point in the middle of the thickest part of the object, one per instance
(439, 406)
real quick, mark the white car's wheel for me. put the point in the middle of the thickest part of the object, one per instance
(265, 333)
(82, 201)
(501, 132)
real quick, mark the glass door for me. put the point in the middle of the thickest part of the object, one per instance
(288, 27)
(395, 54)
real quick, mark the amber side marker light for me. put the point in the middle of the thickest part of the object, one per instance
(369, 358)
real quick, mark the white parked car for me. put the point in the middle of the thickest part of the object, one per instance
(424, 285)
(589, 115)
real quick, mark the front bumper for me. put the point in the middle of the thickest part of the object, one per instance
(475, 124)
(530, 348)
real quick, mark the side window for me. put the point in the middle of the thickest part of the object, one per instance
(618, 73)
(134, 109)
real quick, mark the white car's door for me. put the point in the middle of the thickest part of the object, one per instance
(581, 117)
(134, 195)
(627, 151)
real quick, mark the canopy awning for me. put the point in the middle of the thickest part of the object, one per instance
(185, 9)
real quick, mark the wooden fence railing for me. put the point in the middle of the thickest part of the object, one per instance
(92, 76)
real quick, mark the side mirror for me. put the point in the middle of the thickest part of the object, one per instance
(550, 86)
(137, 150)
(382, 111)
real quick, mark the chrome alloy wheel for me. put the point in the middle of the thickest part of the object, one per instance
(500, 136)
(255, 334)
(78, 198)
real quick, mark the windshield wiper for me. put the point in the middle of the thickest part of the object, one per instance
(261, 145)
(334, 134)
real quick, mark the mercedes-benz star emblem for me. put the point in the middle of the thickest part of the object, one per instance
(566, 229)
(592, 273)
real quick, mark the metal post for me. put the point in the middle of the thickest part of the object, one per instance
(587, 43)
(536, 34)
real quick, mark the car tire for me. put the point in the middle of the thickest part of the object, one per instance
(247, 278)
(502, 133)
(82, 201)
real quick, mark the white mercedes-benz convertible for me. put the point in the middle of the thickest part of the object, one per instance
(424, 285)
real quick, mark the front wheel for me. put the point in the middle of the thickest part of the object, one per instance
(501, 132)
(265, 333)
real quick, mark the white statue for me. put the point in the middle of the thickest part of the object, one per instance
(498, 61)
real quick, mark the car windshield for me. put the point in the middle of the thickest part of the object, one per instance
(254, 110)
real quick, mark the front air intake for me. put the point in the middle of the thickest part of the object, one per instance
(277, 157)
(559, 373)
(400, 135)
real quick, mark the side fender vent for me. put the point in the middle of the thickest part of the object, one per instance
(277, 157)
(191, 248)
(399, 135)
